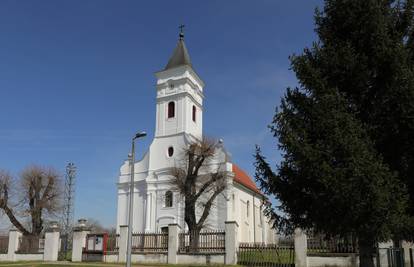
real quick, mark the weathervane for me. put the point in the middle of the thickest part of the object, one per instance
(181, 31)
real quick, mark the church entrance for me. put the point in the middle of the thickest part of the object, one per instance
(272, 255)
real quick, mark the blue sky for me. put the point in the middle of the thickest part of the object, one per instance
(77, 80)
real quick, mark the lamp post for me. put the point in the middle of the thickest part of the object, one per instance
(131, 198)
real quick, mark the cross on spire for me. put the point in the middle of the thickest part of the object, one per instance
(181, 27)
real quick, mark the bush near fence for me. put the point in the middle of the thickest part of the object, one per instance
(209, 242)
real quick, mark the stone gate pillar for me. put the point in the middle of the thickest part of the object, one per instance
(301, 247)
(79, 239)
(173, 230)
(14, 236)
(51, 250)
(231, 242)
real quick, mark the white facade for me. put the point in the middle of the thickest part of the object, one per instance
(241, 202)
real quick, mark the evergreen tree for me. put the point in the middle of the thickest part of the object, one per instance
(347, 132)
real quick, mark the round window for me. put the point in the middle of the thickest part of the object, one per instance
(170, 151)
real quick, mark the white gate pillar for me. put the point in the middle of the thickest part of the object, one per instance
(122, 245)
(14, 236)
(173, 243)
(231, 242)
(51, 249)
(301, 247)
(79, 240)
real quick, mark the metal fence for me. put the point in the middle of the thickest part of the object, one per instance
(271, 255)
(323, 245)
(210, 242)
(4, 244)
(286, 241)
(112, 243)
(31, 245)
(150, 242)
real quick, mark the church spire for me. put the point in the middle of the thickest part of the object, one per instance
(180, 55)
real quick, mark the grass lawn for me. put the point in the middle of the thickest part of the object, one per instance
(266, 256)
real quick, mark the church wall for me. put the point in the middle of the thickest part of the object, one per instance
(123, 204)
(121, 209)
(159, 158)
(250, 217)
(166, 215)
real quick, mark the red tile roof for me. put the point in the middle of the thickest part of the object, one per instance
(244, 179)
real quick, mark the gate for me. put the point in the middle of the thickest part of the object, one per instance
(391, 257)
(65, 248)
(95, 247)
(266, 255)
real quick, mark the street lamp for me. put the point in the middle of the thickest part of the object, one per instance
(131, 197)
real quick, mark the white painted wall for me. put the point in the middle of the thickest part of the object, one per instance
(248, 212)
(346, 261)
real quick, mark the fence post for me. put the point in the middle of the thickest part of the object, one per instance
(14, 236)
(51, 249)
(79, 240)
(300, 248)
(122, 245)
(231, 242)
(173, 243)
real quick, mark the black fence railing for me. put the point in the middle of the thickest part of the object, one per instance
(31, 245)
(150, 242)
(4, 244)
(286, 241)
(322, 245)
(263, 255)
(206, 242)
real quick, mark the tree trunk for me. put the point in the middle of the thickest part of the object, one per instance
(194, 240)
(366, 253)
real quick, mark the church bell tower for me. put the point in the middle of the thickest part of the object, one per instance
(179, 96)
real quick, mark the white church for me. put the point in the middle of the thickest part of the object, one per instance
(179, 121)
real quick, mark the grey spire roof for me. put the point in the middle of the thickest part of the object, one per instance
(180, 56)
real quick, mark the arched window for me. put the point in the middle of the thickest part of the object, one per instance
(194, 113)
(247, 208)
(170, 151)
(171, 109)
(168, 199)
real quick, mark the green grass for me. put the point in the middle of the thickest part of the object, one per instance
(266, 256)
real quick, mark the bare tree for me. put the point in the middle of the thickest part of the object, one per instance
(38, 195)
(199, 181)
(96, 226)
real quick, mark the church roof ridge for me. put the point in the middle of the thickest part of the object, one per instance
(241, 177)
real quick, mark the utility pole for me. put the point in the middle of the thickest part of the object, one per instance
(69, 197)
